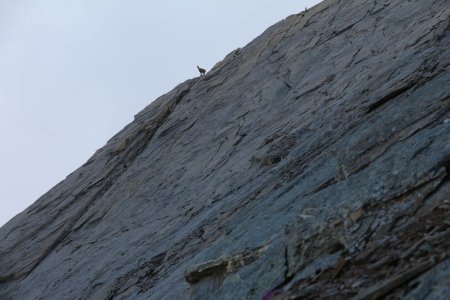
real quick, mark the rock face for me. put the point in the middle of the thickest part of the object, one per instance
(312, 163)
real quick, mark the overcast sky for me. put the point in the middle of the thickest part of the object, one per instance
(75, 72)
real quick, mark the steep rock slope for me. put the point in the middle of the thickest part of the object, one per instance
(317, 152)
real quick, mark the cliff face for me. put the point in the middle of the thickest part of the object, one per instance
(313, 162)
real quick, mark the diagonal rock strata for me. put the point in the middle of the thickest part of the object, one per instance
(323, 139)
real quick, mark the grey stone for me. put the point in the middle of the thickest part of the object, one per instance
(328, 130)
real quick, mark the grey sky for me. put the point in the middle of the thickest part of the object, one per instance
(73, 73)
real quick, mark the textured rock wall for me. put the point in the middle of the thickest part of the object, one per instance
(317, 152)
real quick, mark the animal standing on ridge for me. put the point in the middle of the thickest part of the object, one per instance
(201, 70)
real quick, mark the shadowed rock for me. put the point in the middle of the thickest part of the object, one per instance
(318, 151)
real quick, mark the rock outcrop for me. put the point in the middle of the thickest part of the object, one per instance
(312, 163)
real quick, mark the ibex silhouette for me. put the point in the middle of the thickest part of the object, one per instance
(201, 70)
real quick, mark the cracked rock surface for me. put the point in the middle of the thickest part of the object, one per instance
(312, 163)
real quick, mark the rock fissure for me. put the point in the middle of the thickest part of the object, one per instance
(111, 175)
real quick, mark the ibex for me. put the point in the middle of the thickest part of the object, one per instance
(201, 70)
